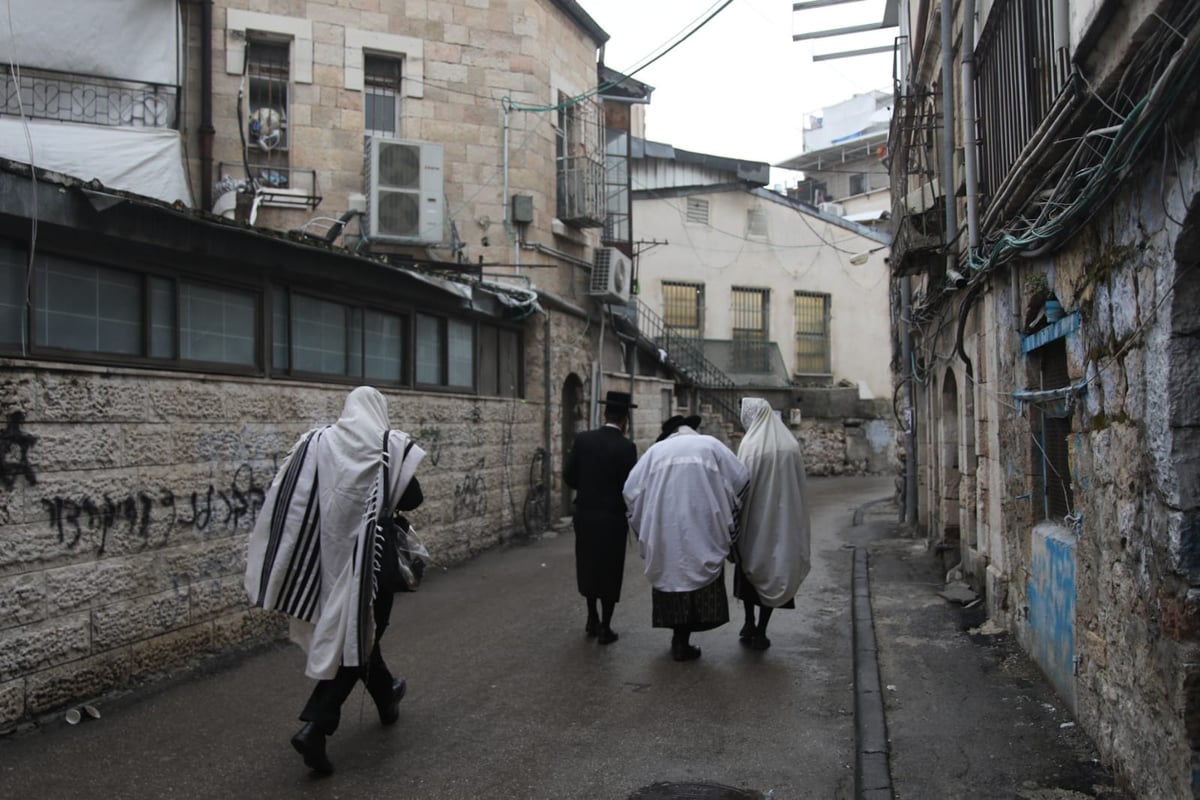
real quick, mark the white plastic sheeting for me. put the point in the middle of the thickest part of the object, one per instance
(143, 161)
(130, 39)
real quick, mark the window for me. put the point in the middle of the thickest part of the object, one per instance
(750, 314)
(683, 308)
(12, 293)
(93, 308)
(756, 223)
(812, 334)
(318, 336)
(1051, 427)
(617, 209)
(858, 183)
(697, 210)
(267, 75)
(381, 96)
(445, 352)
(498, 354)
(580, 163)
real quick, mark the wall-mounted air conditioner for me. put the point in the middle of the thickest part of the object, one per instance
(837, 209)
(405, 198)
(612, 273)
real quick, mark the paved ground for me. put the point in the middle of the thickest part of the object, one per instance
(507, 699)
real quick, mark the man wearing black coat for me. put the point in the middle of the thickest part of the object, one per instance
(596, 468)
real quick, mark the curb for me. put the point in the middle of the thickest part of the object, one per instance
(872, 776)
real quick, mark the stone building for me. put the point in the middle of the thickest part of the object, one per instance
(1044, 186)
(216, 218)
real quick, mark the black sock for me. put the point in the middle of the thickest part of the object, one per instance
(607, 609)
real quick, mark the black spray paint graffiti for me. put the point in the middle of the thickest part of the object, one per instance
(430, 440)
(15, 441)
(223, 508)
(470, 493)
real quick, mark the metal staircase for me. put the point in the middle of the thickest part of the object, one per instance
(685, 355)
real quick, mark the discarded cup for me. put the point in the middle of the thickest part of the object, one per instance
(92, 711)
(73, 716)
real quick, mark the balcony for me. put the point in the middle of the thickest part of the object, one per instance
(91, 100)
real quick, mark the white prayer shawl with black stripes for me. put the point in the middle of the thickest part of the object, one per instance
(683, 500)
(315, 547)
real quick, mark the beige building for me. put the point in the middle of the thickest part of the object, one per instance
(218, 218)
(784, 299)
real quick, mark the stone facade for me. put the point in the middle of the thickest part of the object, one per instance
(129, 497)
(1114, 625)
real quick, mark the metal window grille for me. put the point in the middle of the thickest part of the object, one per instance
(750, 314)
(381, 96)
(579, 153)
(1051, 430)
(812, 334)
(267, 73)
(697, 210)
(683, 307)
(858, 183)
(1019, 74)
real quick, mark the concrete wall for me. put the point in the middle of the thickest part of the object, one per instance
(128, 496)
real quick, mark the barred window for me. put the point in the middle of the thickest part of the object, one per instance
(750, 313)
(812, 334)
(683, 307)
(1051, 427)
(381, 96)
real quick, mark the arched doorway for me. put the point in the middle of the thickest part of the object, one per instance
(951, 474)
(574, 419)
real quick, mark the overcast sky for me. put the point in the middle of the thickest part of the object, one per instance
(740, 87)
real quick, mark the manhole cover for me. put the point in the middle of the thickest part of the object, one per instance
(694, 791)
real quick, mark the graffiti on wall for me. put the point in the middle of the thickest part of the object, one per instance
(213, 508)
(470, 493)
(15, 445)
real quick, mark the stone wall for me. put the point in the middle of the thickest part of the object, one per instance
(127, 496)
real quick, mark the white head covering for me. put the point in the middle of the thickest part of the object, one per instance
(774, 542)
(314, 547)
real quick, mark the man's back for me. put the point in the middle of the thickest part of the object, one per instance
(597, 467)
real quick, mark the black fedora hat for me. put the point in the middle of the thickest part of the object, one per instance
(622, 399)
(693, 422)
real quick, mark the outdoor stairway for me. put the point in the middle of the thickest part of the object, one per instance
(685, 355)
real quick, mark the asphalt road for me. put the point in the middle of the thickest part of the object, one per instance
(507, 699)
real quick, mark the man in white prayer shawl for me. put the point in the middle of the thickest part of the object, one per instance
(772, 551)
(683, 500)
(320, 551)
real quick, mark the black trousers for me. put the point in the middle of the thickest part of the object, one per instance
(324, 706)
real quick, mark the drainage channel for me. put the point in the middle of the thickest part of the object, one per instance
(696, 791)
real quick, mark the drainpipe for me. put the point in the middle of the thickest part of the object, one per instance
(970, 128)
(207, 131)
(947, 12)
(547, 470)
(910, 417)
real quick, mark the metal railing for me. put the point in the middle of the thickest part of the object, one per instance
(685, 354)
(1020, 72)
(90, 99)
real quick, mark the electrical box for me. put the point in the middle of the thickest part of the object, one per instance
(522, 208)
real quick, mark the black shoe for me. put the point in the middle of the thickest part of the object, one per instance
(685, 652)
(389, 712)
(310, 743)
(592, 629)
(746, 633)
(607, 636)
(759, 642)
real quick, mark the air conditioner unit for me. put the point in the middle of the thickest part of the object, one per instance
(405, 199)
(612, 273)
(837, 209)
